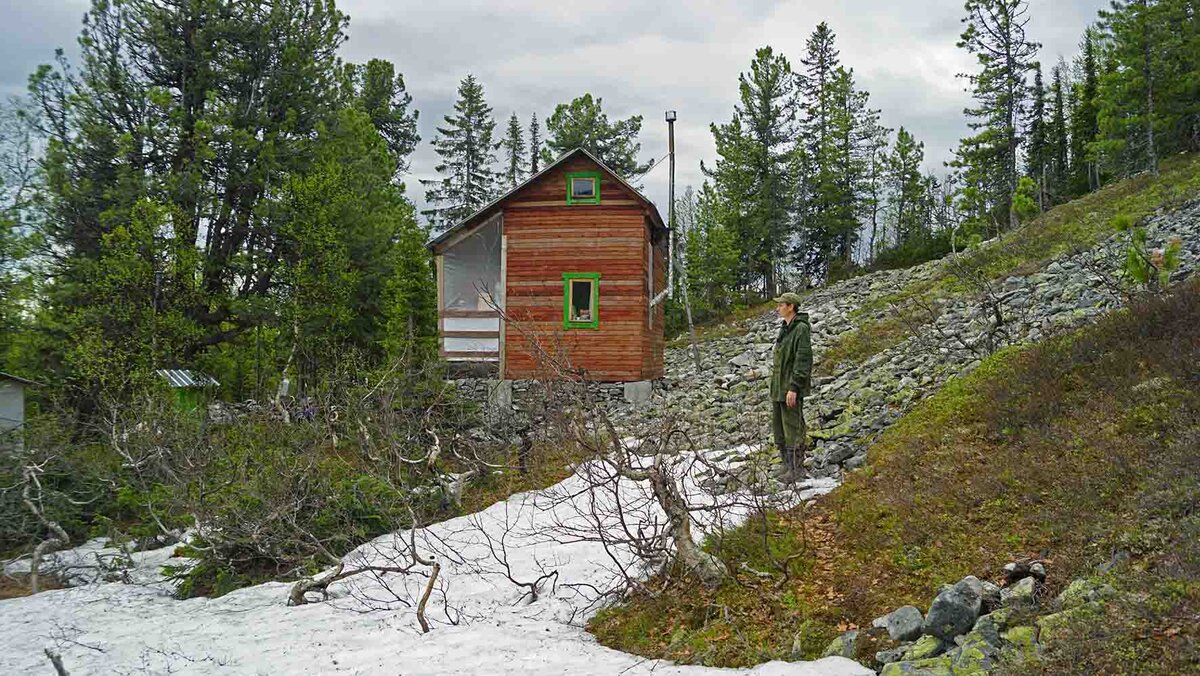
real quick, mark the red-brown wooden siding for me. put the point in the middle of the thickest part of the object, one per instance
(546, 238)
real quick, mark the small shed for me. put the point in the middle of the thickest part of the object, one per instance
(189, 386)
(575, 259)
(12, 408)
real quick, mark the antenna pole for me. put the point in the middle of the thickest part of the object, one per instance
(671, 206)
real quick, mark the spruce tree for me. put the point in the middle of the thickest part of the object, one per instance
(535, 144)
(1036, 159)
(582, 123)
(1131, 114)
(995, 34)
(907, 188)
(1084, 116)
(513, 144)
(466, 147)
(1058, 142)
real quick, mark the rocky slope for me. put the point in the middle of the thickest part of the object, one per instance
(725, 403)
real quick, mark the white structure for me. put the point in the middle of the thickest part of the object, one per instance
(12, 409)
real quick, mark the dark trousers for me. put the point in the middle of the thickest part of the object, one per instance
(788, 426)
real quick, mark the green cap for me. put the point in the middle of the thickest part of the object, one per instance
(789, 297)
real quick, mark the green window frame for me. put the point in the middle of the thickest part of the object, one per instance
(583, 175)
(581, 323)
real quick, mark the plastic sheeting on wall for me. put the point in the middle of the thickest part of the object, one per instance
(471, 269)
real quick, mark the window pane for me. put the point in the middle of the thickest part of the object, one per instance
(583, 187)
(581, 300)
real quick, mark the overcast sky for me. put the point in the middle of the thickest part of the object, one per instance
(642, 58)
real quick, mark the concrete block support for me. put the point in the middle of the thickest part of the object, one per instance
(500, 396)
(639, 392)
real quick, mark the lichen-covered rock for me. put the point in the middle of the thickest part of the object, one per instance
(892, 654)
(1002, 617)
(935, 666)
(987, 627)
(902, 624)
(1020, 645)
(1052, 627)
(842, 646)
(955, 609)
(1081, 592)
(976, 653)
(1023, 594)
(924, 648)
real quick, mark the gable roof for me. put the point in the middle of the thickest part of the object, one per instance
(466, 222)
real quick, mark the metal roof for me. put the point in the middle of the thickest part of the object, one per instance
(186, 378)
(19, 379)
(571, 153)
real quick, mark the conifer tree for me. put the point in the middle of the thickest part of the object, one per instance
(995, 34)
(467, 150)
(582, 123)
(1131, 113)
(513, 144)
(382, 95)
(1085, 125)
(754, 168)
(535, 144)
(907, 187)
(1036, 159)
(1058, 142)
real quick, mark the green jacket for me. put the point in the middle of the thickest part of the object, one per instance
(793, 359)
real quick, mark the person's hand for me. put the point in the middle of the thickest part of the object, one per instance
(791, 399)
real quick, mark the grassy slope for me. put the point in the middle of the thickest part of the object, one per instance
(1068, 450)
(1080, 223)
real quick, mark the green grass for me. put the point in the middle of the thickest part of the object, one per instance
(1066, 450)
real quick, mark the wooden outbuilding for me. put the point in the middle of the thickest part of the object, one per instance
(12, 410)
(571, 262)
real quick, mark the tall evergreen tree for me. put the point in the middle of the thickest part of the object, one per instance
(381, 93)
(513, 144)
(995, 34)
(875, 185)
(1058, 141)
(1131, 112)
(466, 147)
(753, 174)
(1036, 154)
(535, 144)
(176, 129)
(582, 123)
(1084, 116)
(907, 188)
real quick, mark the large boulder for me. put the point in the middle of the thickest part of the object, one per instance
(955, 609)
(842, 646)
(902, 624)
(1022, 594)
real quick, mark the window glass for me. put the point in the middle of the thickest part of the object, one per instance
(583, 187)
(581, 300)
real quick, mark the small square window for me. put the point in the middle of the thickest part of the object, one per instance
(583, 188)
(581, 297)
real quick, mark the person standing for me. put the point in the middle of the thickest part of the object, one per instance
(791, 377)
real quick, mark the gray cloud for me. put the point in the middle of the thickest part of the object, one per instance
(641, 58)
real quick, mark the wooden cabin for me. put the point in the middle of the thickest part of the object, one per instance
(571, 262)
